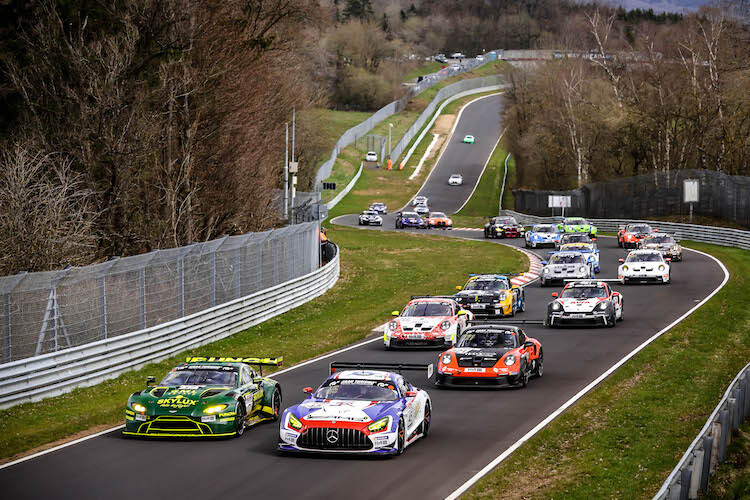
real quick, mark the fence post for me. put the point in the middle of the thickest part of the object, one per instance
(733, 420)
(212, 278)
(697, 471)
(276, 261)
(708, 445)
(102, 307)
(685, 476)
(724, 428)
(238, 271)
(142, 293)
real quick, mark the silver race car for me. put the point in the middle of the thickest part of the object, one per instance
(563, 266)
(664, 243)
(370, 218)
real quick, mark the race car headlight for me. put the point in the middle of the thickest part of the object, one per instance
(601, 306)
(294, 422)
(139, 408)
(445, 325)
(501, 296)
(447, 358)
(675, 248)
(509, 360)
(556, 306)
(661, 268)
(392, 326)
(546, 270)
(379, 425)
(214, 409)
(624, 268)
(582, 269)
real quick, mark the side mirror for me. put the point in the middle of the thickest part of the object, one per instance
(528, 343)
(656, 230)
(461, 313)
(394, 313)
(411, 394)
(544, 262)
(458, 288)
(307, 390)
(514, 287)
(150, 380)
(668, 259)
(621, 260)
(593, 239)
(555, 294)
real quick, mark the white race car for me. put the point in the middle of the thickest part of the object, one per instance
(589, 250)
(419, 200)
(585, 302)
(427, 322)
(562, 266)
(371, 156)
(456, 180)
(370, 218)
(644, 266)
(422, 209)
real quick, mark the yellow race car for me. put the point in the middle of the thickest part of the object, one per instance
(491, 295)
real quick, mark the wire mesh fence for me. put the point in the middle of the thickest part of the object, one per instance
(49, 311)
(354, 133)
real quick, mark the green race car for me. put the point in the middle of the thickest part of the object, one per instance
(205, 397)
(576, 225)
(469, 139)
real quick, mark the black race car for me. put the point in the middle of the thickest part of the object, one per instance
(503, 227)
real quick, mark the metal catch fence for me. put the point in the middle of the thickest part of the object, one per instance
(52, 311)
(354, 133)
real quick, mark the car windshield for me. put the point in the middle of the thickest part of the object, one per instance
(579, 248)
(409, 214)
(566, 259)
(486, 285)
(639, 228)
(576, 238)
(439, 215)
(359, 390)
(191, 376)
(493, 339)
(661, 239)
(428, 309)
(644, 257)
(583, 292)
(576, 222)
(545, 229)
(370, 212)
(507, 220)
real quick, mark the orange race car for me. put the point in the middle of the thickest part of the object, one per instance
(439, 220)
(629, 236)
(491, 355)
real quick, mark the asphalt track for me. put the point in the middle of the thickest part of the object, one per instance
(480, 119)
(470, 427)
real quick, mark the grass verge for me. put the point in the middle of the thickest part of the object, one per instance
(377, 276)
(732, 478)
(623, 438)
(391, 187)
(347, 163)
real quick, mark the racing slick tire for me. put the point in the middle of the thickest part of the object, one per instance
(512, 309)
(426, 420)
(239, 419)
(360, 223)
(276, 404)
(525, 374)
(401, 437)
(622, 312)
(619, 242)
(549, 322)
(526, 243)
(538, 370)
(612, 319)
(523, 304)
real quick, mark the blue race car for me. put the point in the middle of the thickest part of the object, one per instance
(410, 219)
(364, 409)
(542, 235)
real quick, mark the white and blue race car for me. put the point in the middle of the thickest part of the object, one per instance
(589, 250)
(542, 235)
(363, 409)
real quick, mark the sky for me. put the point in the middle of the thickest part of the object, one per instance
(661, 5)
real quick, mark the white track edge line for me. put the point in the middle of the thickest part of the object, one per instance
(106, 431)
(447, 141)
(500, 458)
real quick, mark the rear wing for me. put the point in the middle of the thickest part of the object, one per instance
(503, 322)
(493, 274)
(390, 367)
(259, 362)
(449, 297)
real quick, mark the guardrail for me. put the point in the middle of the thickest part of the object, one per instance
(36, 378)
(706, 234)
(710, 446)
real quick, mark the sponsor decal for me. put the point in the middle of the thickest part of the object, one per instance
(178, 401)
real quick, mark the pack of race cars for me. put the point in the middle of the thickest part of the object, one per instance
(370, 407)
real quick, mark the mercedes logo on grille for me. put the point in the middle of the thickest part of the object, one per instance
(332, 435)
